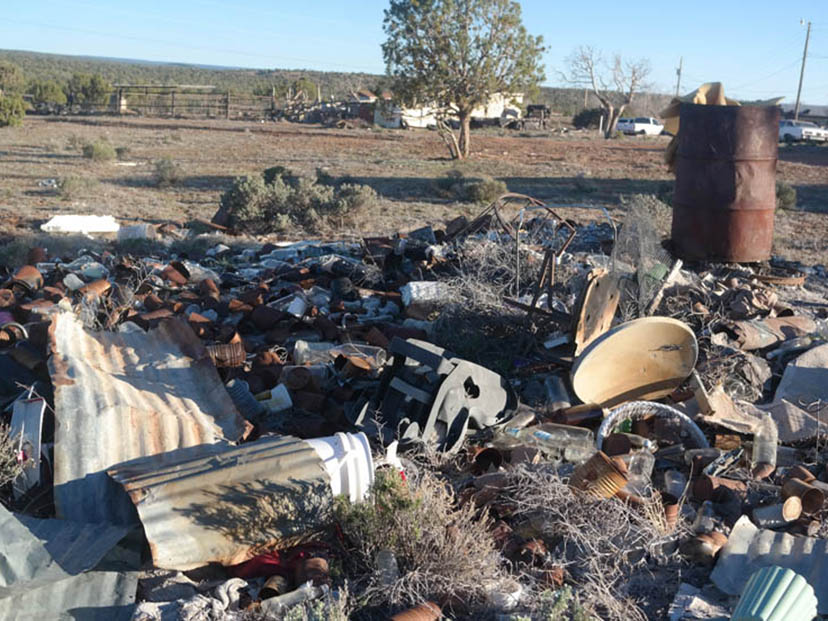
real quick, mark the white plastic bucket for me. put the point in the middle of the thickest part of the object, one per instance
(348, 462)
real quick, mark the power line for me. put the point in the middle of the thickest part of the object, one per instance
(270, 57)
(770, 75)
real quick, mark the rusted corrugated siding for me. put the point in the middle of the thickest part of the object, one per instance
(223, 503)
(119, 396)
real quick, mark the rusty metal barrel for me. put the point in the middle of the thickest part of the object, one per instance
(725, 192)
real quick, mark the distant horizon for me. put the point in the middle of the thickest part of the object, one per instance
(756, 54)
(142, 61)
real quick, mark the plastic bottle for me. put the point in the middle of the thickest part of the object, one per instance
(305, 352)
(557, 397)
(639, 472)
(764, 443)
(387, 569)
(574, 444)
(705, 518)
(674, 483)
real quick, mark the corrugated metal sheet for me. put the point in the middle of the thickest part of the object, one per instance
(223, 503)
(750, 548)
(36, 551)
(123, 395)
(40, 572)
(93, 596)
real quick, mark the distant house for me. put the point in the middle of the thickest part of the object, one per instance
(815, 114)
(365, 96)
(499, 106)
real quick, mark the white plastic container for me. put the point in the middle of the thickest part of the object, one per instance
(137, 231)
(348, 462)
(424, 292)
(279, 399)
(81, 224)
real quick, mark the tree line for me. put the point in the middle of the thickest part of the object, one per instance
(451, 56)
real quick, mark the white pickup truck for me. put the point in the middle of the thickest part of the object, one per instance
(795, 131)
(646, 125)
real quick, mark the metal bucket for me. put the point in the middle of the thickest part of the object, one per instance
(725, 192)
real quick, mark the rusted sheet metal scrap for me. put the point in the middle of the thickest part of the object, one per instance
(123, 395)
(220, 503)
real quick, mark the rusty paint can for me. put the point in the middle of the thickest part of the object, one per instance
(29, 277)
(598, 476)
(812, 498)
(800, 472)
(174, 276)
(725, 192)
(96, 289)
(704, 548)
(806, 526)
(584, 414)
(7, 298)
(297, 378)
(227, 354)
(485, 458)
(36, 255)
(773, 516)
(314, 569)
(427, 611)
(671, 511)
(708, 488)
(275, 585)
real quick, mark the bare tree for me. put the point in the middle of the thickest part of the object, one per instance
(615, 83)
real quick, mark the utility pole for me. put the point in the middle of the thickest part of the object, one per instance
(802, 72)
(678, 75)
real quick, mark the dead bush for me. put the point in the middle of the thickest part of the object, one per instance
(10, 467)
(489, 270)
(443, 552)
(167, 172)
(602, 544)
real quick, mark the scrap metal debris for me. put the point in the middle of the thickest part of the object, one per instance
(214, 412)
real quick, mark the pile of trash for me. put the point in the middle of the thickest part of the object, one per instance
(187, 431)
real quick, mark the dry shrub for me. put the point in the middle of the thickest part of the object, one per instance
(74, 186)
(457, 186)
(488, 270)
(603, 544)
(278, 201)
(785, 196)
(444, 552)
(167, 172)
(10, 467)
(99, 151)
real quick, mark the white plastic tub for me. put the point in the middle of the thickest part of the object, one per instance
(348, 462)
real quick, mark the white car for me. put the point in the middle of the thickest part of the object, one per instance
(646, 125)
(792, 131)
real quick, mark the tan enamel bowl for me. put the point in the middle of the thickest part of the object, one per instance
(644, 359)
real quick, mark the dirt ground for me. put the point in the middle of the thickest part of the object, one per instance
(578, 172)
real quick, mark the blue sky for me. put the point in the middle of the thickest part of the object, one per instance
(753, 47)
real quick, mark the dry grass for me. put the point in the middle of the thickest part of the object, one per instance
(602, 544)
(10, 467)
(400, 165)
(444, 552)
